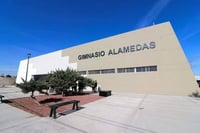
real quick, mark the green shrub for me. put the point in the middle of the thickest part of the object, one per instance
(32, 86)
(62, 81)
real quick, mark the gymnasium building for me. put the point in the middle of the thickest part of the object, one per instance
(148, 60)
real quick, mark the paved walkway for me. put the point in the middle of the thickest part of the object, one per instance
(119, 113)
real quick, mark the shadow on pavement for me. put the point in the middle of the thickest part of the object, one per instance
(67, 112)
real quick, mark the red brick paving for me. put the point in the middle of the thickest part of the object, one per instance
(42, 109)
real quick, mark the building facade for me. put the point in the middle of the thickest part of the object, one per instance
(148, 60)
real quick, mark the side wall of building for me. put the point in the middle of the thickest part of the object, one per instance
(152, 46)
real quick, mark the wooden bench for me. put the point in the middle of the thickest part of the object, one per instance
(105, 93)
(55, 106)
(1, 97)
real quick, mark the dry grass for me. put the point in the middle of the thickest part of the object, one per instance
(5, 81)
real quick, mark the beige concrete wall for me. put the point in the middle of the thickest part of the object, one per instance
(173, 77)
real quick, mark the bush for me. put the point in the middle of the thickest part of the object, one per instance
(195, 94)
(62, 81)
(8, 76)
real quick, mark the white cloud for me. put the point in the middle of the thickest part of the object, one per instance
(191, 29)
(153, 13)
(190, 35)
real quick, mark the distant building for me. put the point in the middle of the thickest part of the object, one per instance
(148, 60)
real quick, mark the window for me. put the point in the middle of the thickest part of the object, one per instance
(140, 69)
(82, 72)
(131, 69)
(148, 69)
(121, 70)
(94, 72)
(105, 71)
(137, 69)
(153, 68)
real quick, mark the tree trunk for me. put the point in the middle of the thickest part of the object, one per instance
(32, 94)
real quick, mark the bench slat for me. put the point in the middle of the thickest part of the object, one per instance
(63, 103)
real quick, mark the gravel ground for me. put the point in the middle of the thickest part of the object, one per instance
(39, 106)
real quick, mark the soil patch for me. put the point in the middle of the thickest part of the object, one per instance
(6, 81)
(41, 108)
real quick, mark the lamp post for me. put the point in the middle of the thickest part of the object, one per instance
(28, 57)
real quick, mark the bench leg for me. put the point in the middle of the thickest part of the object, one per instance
(54, 113)
(1, 100)
(77, 106)
(51, 112)
(73, 106)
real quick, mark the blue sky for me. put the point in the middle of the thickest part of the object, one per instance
(42, 26)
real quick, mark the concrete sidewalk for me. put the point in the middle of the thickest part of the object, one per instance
(121, 112)
(13, 92)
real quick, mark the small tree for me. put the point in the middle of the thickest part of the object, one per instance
(83, 82)
(33, 86)
(62, 81)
